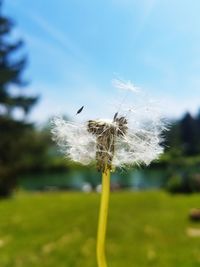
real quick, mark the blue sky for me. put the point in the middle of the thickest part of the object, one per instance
(76, 47)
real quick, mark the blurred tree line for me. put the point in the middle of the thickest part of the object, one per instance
(183, 137)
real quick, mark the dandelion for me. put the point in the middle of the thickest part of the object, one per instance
(132, 137)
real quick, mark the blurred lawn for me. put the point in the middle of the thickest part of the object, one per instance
(59, 229)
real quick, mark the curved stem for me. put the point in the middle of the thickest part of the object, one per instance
(103, 214)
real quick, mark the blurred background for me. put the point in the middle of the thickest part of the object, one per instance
(58, 56)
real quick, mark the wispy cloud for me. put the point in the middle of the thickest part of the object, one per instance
(57, 35)
(140, 9)
(63, 40)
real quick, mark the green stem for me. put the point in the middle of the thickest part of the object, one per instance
(103, 214)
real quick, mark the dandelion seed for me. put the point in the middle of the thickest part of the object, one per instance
(80, 110)
(115, 116)
(125, 85)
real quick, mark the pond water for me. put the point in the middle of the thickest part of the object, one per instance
(75, 180)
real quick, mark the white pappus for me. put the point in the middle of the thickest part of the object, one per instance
(133, 137)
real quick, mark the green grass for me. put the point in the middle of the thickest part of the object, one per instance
(59, 230)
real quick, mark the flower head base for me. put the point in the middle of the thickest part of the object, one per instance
(106, 133)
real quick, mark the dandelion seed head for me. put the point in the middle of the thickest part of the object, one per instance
(132, 137)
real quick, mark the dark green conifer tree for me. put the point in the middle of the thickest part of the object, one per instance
(12, 130)
(189, 135)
